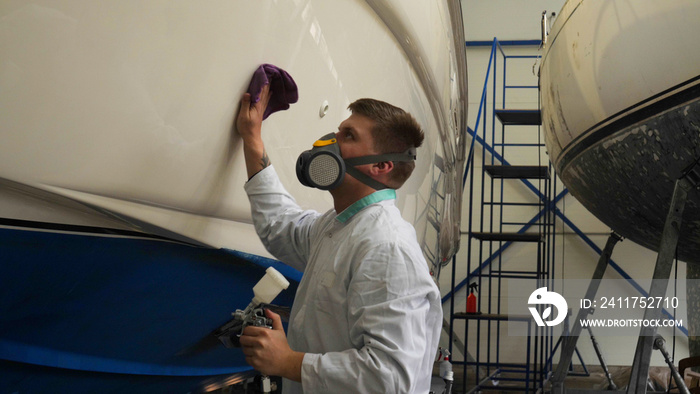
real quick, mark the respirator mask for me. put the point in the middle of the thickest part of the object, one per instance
(324, 168)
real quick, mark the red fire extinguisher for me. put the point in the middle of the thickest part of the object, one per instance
(471, 298)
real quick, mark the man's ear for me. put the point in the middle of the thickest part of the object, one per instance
(383, 167)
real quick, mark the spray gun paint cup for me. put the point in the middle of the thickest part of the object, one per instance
(269, 287)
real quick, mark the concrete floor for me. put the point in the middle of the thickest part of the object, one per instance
(596, 380)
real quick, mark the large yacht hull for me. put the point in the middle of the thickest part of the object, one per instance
(126, 234)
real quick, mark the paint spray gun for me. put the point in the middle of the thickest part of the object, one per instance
(254, 314)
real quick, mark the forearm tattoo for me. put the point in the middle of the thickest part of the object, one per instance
(264, 161)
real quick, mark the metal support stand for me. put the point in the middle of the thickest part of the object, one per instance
(603, 364)
(567, 350)
(680, 383)
(659, 284)
(565, 334)
(662, 272)
(598, 352)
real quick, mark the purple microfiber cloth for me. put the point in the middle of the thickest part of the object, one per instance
(282, 86)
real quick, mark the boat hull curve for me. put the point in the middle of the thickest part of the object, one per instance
(122, 205)
(621, 121)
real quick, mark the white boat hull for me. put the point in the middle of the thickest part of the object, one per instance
(116, 138)
(620, 88)
(128, 107)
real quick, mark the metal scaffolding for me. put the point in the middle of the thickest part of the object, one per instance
(501, 226)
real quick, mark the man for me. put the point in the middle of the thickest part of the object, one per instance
(367, 314)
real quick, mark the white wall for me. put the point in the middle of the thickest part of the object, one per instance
(520, 20)
(505, 19)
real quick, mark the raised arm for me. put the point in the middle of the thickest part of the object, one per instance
(249, 125)
(282, 226)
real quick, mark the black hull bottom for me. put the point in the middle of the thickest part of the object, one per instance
(627, 178)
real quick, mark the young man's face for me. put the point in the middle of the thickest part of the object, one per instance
(355, 137)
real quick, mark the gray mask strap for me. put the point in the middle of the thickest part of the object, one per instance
(409, 155)
(364, 178)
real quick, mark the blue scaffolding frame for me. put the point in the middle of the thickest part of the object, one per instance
(544, 265)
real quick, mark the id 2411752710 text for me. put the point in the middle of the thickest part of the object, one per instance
(630, 302)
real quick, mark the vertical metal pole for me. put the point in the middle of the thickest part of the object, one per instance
(601, 359)
(659, 284)
(466, 351)
(541, 273)
(527, 356)
(569, 343)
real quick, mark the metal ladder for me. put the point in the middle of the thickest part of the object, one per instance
(497, 232)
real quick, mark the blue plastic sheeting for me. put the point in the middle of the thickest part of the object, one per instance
(118, 305)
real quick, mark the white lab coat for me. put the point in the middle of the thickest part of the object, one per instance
(367, 312)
